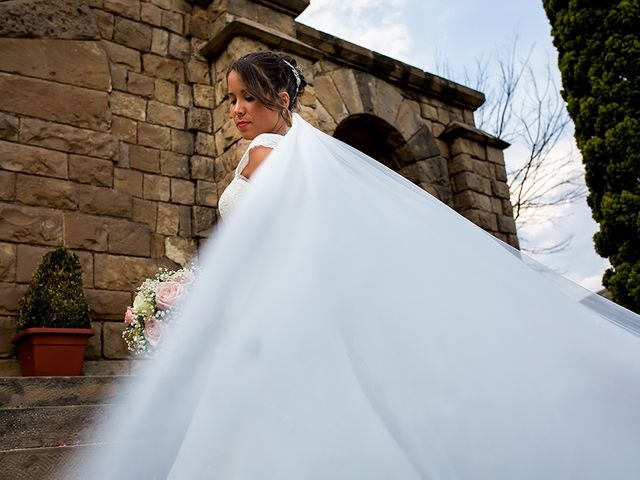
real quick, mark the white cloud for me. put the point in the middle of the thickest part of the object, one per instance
(374, 24)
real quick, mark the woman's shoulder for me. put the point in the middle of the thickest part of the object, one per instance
(265, 140)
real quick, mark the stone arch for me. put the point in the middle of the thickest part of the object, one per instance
(418, 158)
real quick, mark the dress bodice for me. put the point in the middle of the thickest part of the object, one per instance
(237, 188)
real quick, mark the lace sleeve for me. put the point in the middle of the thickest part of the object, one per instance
(269, 140)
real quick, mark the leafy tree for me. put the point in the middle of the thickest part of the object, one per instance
(599, 58)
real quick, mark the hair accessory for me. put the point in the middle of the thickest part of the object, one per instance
(295, 72)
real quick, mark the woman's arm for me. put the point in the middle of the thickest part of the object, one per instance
(256, 157)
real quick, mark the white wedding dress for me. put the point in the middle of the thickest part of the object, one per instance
(347, 325)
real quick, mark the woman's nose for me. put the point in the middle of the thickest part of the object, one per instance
(238, 109)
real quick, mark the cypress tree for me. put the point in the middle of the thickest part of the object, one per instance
(598, 47)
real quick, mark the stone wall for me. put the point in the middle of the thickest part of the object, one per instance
(115, 139)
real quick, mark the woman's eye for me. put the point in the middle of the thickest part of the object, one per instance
(249, 99)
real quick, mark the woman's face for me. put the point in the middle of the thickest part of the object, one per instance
(250, 115)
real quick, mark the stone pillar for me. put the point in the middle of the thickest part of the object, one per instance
(479, 180)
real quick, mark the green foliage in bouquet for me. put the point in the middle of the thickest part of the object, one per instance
(55, 297)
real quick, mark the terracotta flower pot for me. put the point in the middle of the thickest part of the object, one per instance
(52, 351)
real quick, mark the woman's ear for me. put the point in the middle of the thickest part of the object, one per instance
(285, 98)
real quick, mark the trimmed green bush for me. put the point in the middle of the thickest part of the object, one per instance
(599, 57)
(55, 297)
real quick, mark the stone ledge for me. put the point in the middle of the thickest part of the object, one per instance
(461, 130)
(230, 27)
(340, 51)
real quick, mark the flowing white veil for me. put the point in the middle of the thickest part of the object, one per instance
(347, 325)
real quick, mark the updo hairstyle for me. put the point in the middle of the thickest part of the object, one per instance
(268, 73)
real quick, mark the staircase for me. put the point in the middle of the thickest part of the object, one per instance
(43, 421)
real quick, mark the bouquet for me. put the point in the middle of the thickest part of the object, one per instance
(154, 308)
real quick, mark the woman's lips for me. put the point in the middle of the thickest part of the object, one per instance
(242, 124)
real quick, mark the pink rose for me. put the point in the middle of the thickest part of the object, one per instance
(128, 316)
(168, 294)
(154, 331)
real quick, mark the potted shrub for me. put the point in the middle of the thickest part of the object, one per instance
(54, 322)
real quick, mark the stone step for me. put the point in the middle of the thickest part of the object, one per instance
(51, 426)
(62, 391)
(41, 463)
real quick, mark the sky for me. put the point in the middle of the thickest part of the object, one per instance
(453, 36)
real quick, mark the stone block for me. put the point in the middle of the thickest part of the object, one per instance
(125, 129)
(94, 345)
(125, 8)
(9, 127)
(507, 208)
(184, 221)
(168, 219)
(206, 193)
(105, 201)
(182, 191)
(173, 21)
(151, 14)
(165, 4)
(128, 181)
(345, 83)
(145, 211)
(10, 295)
(135, 35)
(500, 189)
(471, 181)
(154, 136)
(199, 119)
(63, 19)
(119, 76)
(203, 96)
(23, 158)
(167, 115)
(122, 160)
(165, 68)
(429, 111)
(495, 155)
(107, 367)
(174, 164)
(408, 121)
(202, 168)
(7, 186)
(129, 238)
(140, 84)
(165, 91)
(8, 328)
(185, 97)
(79, 63)
(105, 22)
(7, 262)
(28, 257)
(499, 172)
(197, 26)
(464, 145)
(160, 42)
(87, 232)
(198, 72)
(180, 250)
(157, 245)
(469, 199)
(205, 144)
(506, 224)
(202, 221)
(47, 192)
(54, 101)
(10, 368)
(179, 47)
(328, 95)
(483, 219)
(144, 158)
(118, 272)
(130, 106)
(94, 171)
(122, 55)
(156, 187)
(181, 141)
(113, 345)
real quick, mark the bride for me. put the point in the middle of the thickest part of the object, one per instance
(347, 325)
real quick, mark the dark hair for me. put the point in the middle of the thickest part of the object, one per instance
(268, 73)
